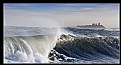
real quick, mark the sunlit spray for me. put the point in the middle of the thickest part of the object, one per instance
(32, 48)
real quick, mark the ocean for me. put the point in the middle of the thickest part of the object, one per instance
(65, 45)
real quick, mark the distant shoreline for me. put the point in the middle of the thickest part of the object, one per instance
(52, 27)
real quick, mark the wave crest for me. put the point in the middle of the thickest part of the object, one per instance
(88, 49)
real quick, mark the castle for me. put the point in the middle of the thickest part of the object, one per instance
(94, 25)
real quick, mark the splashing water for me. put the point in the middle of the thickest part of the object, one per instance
(33, 48)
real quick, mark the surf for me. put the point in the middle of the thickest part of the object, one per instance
(97, 49)
(28, 44)
(63, 45)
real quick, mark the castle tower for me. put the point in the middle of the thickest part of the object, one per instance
(98, 23)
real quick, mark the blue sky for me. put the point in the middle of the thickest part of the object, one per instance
(55, 6)
(61, 14)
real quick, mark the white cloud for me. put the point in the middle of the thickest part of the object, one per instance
(65, 17)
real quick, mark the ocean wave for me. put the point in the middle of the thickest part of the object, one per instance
(70, 45)
(96, 49)
(28, 49)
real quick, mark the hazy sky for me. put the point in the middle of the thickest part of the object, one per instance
(60, 14)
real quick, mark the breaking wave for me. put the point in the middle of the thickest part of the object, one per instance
(98, 49)
(28, 48)
(36, 45)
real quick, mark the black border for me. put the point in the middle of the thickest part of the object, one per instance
(43, 1)
(61, 1)
(1, 33)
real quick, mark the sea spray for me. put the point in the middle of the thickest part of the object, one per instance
(30, 48)
(33, 45)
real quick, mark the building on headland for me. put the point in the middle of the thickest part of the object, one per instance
(94, 25)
